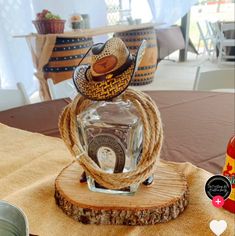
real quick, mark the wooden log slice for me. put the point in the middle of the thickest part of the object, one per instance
(162, 201)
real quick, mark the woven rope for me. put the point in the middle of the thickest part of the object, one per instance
(152, 140)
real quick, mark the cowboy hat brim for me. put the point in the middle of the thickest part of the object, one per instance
(109, 88)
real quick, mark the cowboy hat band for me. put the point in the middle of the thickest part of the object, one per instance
(109, 85)
(104, 90)
(108, 57)
(117, 72)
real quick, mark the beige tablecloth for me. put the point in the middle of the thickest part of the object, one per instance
(29, 164)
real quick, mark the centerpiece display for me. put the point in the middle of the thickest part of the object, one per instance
(116, 135)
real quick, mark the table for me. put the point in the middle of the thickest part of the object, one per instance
(39, 117)
(56, 55)
(171, 39)
(197, 125)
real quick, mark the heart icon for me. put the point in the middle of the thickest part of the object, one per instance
(218, 226)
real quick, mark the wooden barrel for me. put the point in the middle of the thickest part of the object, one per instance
(66, 55)
(147, 67)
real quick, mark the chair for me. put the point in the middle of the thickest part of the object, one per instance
(207, 37)
(211, 26)
(63, 89)
(220, 80)
(10, 98)
(225, 43)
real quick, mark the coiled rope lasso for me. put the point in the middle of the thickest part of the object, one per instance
(152, 140)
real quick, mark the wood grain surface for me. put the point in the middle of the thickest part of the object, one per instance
(162, 201)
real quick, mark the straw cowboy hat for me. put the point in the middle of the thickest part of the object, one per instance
(111, 70)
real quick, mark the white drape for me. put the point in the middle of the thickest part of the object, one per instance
(16, 19)
(15, 58)
(141, 10)
(167, 12)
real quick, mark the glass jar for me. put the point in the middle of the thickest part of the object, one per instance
(112, 134)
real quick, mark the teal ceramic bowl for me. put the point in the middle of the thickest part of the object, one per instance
(13, 221)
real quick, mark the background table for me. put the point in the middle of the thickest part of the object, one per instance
(197, 125)
(55, 56)
(170, 40)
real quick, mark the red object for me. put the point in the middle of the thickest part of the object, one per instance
(53, 26)
(231, 147)
(229, 205)
(229, 171)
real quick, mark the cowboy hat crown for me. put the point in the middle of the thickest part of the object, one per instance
(109, 57)
(110, 72)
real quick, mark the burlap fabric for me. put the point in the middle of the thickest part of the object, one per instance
(41, 47)
(29, 164)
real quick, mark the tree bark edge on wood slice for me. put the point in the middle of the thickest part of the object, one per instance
(160, 202)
